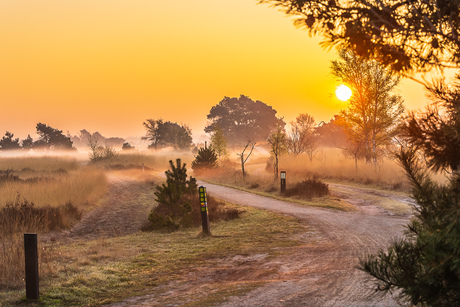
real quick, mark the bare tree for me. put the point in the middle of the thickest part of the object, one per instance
(301, 136)
(278, 141)
(250, 145)
(99, 152)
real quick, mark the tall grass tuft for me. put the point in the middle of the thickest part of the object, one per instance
(23, 217)
(308, 188)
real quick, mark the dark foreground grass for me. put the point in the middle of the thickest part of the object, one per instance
(102, 271)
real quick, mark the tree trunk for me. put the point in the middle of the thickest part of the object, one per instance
(276, 167)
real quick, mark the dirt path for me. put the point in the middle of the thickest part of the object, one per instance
(321, 272)
(373, 201)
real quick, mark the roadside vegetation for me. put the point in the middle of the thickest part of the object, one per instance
(307, 181)
(101, 271)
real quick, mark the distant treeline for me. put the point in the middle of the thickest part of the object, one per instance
(52, 138)
(235, 120)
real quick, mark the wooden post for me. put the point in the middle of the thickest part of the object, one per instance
(283, 181)
(31, 264)
(204, 211)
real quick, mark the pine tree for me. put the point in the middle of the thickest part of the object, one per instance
(174, 199)
(425, 264)
(206, 159)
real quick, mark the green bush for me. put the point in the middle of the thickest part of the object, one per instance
(179, 204)
(174, 199)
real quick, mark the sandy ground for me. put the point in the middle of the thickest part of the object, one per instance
(123, 212)
(321, 272)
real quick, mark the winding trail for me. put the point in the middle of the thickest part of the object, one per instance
(323, 271)
(320, 272)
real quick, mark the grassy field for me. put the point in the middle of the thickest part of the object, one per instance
(107, 270)
(95, 272)
(33, 192)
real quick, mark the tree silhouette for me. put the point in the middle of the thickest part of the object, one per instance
(405, 35)
(249, 145)
(7, 142)
(167, 134)
(51, 138)
(219, 142)
(28, 142)
(331, 134)
(242, 118)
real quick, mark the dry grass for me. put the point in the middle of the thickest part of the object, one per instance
(34, 195)
(329, 163)
(42, 164)
(152, 160)
(106, 270)
(80, 187)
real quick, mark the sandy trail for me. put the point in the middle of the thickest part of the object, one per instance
(323, 271)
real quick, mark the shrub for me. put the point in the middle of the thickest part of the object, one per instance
(98, 152)
(308, 188)
(174, 199)
(179, 204)
(218, 211)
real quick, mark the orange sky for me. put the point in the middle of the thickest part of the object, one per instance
(108, 65)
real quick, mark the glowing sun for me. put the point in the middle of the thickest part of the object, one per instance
(343, 92)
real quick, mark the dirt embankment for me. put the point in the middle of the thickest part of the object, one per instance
(123, 212)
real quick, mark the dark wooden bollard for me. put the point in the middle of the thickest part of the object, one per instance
(283, 181)
(204, 211)
(31, 258)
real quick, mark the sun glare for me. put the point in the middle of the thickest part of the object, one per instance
(343, 92)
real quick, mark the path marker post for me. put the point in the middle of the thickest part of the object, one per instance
(283, 181)
(31, 265)
(204, 210)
